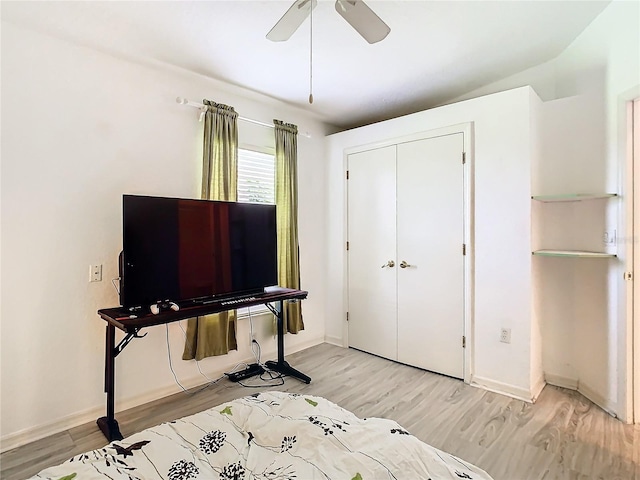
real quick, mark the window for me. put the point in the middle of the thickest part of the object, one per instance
(256, 184)
(256, 177)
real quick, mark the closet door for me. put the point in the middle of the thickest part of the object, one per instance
(430, 234)
(372, 245)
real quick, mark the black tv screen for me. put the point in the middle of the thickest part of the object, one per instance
(181, 250)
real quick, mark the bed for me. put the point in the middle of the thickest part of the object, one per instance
(269, 436)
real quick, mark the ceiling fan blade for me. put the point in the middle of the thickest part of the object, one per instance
(363, 19)
(291, 20)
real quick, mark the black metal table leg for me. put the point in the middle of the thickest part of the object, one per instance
(109, 425)
(281, 366)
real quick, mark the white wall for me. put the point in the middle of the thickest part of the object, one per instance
(537, 345)
(504, 139)
(601, 68)
(79, 129)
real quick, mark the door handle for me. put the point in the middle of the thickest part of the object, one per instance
(404, 264)
(390, 264)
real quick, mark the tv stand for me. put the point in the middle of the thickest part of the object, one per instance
(122, 319)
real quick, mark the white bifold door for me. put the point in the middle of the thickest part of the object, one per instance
(405, 257)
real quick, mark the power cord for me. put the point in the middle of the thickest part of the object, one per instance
(257, 352)
(113, 282)
(189, 344)
(175, 377)
(273, 376)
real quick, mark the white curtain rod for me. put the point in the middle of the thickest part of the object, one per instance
(184, 101)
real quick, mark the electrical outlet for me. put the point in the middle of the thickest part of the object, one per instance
(609, 237)
(95, 273)
(505, 335)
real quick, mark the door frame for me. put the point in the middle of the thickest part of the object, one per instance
(627, 329)
(632, 264)
(467, 131)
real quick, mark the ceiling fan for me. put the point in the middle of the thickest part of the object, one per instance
(355, 12)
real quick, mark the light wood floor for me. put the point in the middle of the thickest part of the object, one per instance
(562, 436)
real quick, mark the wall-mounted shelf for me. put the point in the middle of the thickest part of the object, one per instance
(572, 197)
(573, 253)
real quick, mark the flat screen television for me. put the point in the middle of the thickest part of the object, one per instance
(185, 250)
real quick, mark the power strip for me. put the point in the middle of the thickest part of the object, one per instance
(251, 371)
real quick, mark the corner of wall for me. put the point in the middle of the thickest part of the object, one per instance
(528, 395)
(535, 148)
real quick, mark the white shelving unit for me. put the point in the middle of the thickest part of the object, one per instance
(572, 197)
(573, 253)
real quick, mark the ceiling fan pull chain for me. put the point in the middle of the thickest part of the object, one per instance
(311, 58)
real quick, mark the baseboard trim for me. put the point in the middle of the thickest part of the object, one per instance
(583, 389)
(31, 434)
(518, 393)
(337, 341)
(538, 387)
(297, 347)
(596, 398)
(560, 381)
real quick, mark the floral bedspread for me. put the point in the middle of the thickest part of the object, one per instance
(269, 436)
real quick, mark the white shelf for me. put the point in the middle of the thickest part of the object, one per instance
(573, 253)
(572, 197)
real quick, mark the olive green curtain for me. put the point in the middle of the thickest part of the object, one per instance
(287, 218)
(216, 334)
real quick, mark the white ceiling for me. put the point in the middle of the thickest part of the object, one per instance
(436, 51)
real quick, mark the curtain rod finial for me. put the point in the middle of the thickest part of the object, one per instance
(182, 101)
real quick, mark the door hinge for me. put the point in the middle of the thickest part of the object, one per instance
(628, 276)
(347, 245)
(347, 316)
(464, 342)
(464, 158)
(464, 249)
(347, 174)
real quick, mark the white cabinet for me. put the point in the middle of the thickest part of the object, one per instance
(406, 259)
